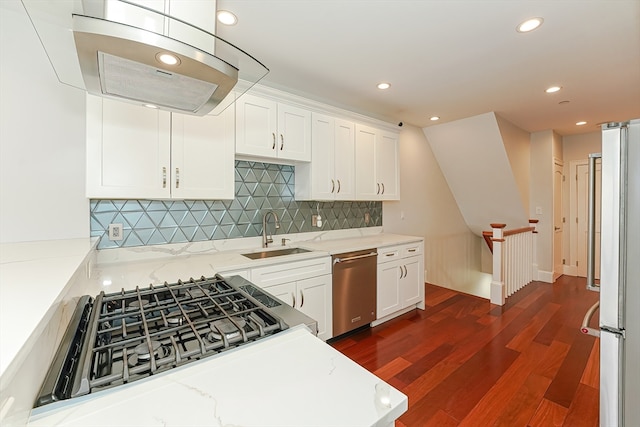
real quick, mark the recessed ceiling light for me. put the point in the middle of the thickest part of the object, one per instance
(150, 106)
(581, 123)
(168, 58)
(227, 18)
(434, 118)
(529, 25)
(553, 89)
(384, 86)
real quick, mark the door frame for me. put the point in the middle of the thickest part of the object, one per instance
(571, 268)
(557, 163)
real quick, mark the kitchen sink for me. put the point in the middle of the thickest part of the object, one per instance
(279, 252)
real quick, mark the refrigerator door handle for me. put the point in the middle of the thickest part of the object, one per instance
(585, 328)
(591, 225)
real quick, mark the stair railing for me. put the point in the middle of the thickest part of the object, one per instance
(513, 260)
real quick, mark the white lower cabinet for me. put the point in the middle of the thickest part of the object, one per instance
(310, 296)
(305, 285)
(400, 281)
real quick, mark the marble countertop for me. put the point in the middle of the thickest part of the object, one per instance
(33, 277)
(299, 381)
(55, 272)
(127, 268)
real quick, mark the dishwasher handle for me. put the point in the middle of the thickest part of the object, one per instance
(352, 258)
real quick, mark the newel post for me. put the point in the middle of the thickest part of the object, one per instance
(497, 282)
(534, 259)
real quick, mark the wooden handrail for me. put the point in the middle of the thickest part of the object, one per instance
(488, 237)
(518, 231)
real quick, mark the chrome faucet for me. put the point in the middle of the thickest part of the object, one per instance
(266, 240)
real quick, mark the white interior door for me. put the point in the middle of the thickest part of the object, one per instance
(558, 225)
(582, 219)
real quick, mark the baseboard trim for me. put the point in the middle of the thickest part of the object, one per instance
(570, 270)
(545, 276)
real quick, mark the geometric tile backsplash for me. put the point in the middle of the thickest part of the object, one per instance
(259, 187)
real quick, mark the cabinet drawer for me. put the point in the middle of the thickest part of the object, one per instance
(412, 249)
(283, 273)
(389, 254)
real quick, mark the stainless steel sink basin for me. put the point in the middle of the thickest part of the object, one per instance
(279, 252)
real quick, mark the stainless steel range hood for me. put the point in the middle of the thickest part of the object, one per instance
(113, 48)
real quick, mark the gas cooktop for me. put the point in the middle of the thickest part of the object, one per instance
(121, 337)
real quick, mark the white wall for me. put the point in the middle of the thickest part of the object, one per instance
(427, 208)
(517, 145)
(474, 161)
(42, 148)
(544, 146)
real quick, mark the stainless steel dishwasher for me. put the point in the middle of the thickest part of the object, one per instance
(354, 290)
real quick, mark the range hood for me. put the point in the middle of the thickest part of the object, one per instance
(117, 49)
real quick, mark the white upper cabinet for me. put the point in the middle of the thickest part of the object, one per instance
(202, 157)
(331, 173)
(376, 164)
(128, 150)
(141, 153)
(387, 165)
(272, 130)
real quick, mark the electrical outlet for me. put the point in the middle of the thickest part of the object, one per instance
(367, 218)
(115, 232)
(314, 220)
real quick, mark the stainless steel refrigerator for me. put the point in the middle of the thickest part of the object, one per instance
(619, 286)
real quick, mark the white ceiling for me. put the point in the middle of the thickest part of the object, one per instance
(451, 58)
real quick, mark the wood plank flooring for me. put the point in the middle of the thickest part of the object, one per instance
(465, 362)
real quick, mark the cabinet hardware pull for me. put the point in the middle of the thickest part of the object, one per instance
(401, 272)
(405, 271)
(301, 298)
(333, 185)
(412, 250)
(293, 297)
(164, 177)
(390, 254)
(281, 142)
(378, 192)
(273, 146)
(338, 186)
(383, 188)
(177, 177)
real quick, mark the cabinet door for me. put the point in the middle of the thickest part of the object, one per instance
(387, 166)
(344, 160)
(256, 126)
(323, 185)
(366, 186)
(294, 133)
(202, 155)
(388, 288)
(314, 300)
(285, 291)
(128, 150)
(411, 289)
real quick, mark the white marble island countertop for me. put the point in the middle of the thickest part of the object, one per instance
(75, 268)
(290, 379)
(33, 277)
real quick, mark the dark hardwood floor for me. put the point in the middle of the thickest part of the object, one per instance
(465, 362)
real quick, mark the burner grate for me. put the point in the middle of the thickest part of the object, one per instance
(146, 331)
